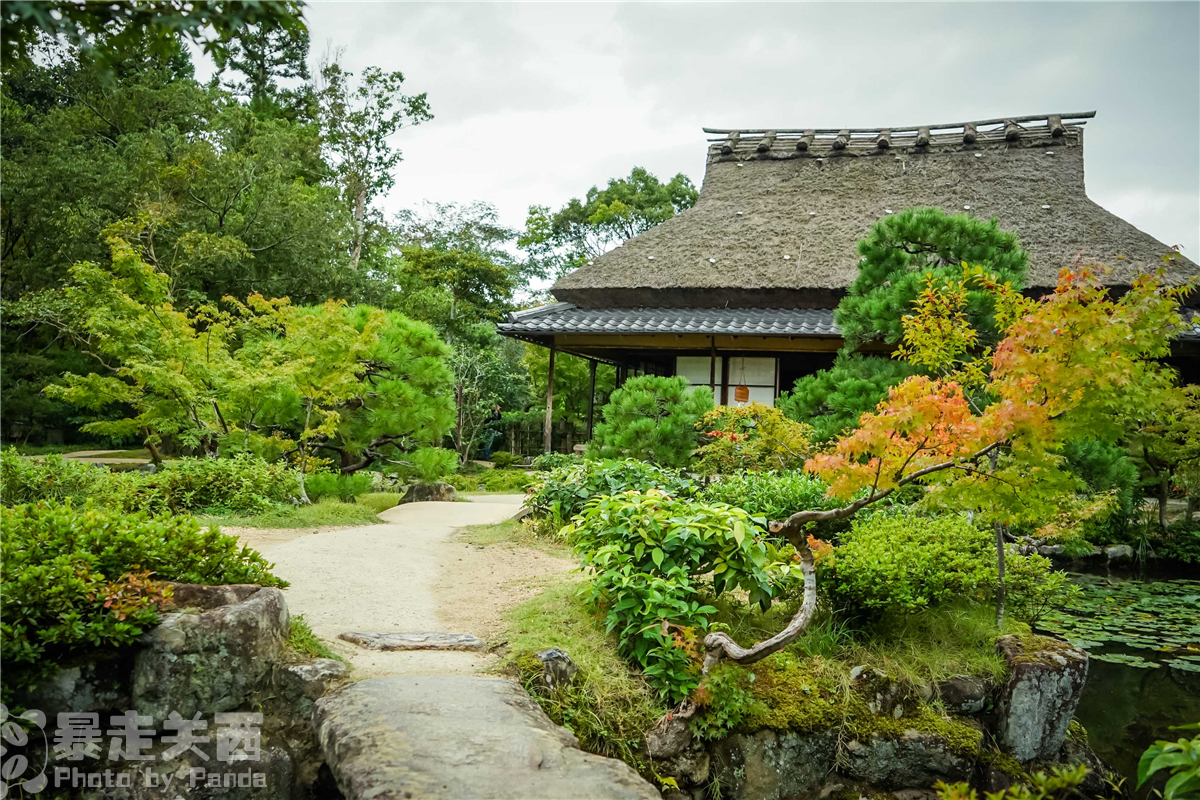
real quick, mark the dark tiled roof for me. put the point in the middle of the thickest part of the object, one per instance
(567, 318)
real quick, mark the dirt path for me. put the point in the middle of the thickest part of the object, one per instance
(407, 575)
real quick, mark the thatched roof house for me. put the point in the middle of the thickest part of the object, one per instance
(757, 266)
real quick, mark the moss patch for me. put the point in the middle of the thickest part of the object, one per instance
(807, 695)
(1001, 762)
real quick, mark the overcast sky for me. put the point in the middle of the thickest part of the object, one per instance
(536, 102)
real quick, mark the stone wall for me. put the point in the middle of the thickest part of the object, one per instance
(961, 729)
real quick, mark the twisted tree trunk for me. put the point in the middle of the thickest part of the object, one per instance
(719, 646)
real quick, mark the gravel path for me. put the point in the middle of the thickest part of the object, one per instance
(399, 576)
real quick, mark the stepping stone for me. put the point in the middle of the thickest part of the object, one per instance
(414, 641)
(450, 737)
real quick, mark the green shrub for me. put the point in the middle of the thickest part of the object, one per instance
(463, 483)
(505, 480)
(502, 459)
(771, 495)
(904, 563)
(242, 483)
(652, 418)
(1181, 544)
(566, 490)
(74, 579)
(333, 484)
(725, 700)
(649, 555)
(755, 437)
(551, 461)
(28, 480)
(380, 501)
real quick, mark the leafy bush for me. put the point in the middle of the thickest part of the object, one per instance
(832, 400)
(648, 554)
(652, 418)
(1181, 544)
(904, 563)
(241, 483)
(773, 496)
(333, 484)
(502, 459)
(1181, 757)
(550, 461)
(726, 701)
(506, 480)
(566, 490)
(28, 480)
(755, 437)
(73, 579)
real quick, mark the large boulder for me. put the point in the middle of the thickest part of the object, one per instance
(452, 736)
(913, 760)
(1036, 704)
(430, 492)
(767, 765)
(211, 661)
(98, 685)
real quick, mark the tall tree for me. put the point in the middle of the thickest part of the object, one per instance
(358, 118)
(269, 57)
(110, 29)
(560, 241)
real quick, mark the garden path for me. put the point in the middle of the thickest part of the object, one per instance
(405, 575)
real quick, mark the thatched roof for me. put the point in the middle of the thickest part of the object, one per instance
(780, 213)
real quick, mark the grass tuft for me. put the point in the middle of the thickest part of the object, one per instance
(608, 706)
(327, 512)
(380, 501)
(302, 640)
(514, 533)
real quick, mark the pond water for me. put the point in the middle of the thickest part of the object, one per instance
(1143, 636)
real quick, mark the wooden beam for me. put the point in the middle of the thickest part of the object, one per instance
(805, 141)
(768, 139)
(970, 133)
(1012, 131)
(997, 121)
(922, 137)
(842, 139)
(694, 342)
(884, 140)
(730, 142)
(591, 396)
(549, 403)
(1054, 123)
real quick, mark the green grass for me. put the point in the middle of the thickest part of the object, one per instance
(48, 449)
(302, 640)
(380, 501)
(326, 512)
(608, 706)
(514, 533)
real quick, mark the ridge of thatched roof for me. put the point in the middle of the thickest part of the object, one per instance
(780, 213)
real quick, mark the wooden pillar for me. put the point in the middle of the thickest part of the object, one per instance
(591, 397)
(712, 368)
(549, 402)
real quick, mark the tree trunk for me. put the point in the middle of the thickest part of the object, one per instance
(1164, 493)
(1001, 592)
(304, 453)
(155, 455)
(719, 646)
(360, 213)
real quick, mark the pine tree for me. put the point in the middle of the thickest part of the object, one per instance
(833, 399)
(902, 249)
(653, 419)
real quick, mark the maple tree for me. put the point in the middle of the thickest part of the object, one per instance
(985, 435)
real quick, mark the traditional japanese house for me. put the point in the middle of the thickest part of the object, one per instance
(738, 292)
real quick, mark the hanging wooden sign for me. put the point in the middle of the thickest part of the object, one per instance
(741, 393)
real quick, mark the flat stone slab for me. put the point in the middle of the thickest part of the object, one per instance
(429, 737)
(414, 641)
